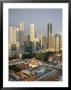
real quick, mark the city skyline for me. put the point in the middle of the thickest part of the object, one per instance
(39, 17)
(35, 49)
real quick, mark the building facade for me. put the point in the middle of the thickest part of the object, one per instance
(50, 39)
(49, 28)
(12, 35)
(16, 39)
(20, 37)
(12, 41)
(32, 32)
(21, 33)
(32, 37)
(58, 43)
(43, 42)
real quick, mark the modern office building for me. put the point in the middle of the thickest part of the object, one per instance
(17, 31)
(50, 39)
(49, 29)
(21, 33)
(20, 37)
(43, 42)
(52, 42)
(32, 37)
(12, 41)
(49, 32)
(12, 35)
(36, 44)
(32, 32)
(21, 26)
(27, 38)
(27, 47)
(58, 43)
(16, 39)
(17, 48)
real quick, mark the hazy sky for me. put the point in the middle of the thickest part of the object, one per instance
(40, 17)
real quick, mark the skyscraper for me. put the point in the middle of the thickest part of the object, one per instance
(32, 37)
(43, 42)
(21, 33)
(12, 35)
(49, 29)
(21, 26)
(49, 36)
(12, 41)
(32, 32)
(57, 42)
(51, 42)
(27, 38)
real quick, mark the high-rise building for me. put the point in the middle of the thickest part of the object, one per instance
(52, 42)
(58, 45)
(50, 39)
(12, 41)
(27, 38)
(12, 35)
(49, 28)
(28, 47)
(32, 32)
(21, 33)
(17, 31)
(32, 37)
(21, 26)
(20, 37)
(43, 42)
(16, 39)
(36, 46)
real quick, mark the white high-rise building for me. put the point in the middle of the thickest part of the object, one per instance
(21, 26)
(32, 32)
(12, 35)
(32, 37)
(12, 41)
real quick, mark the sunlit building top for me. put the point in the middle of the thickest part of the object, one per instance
(21, 26)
